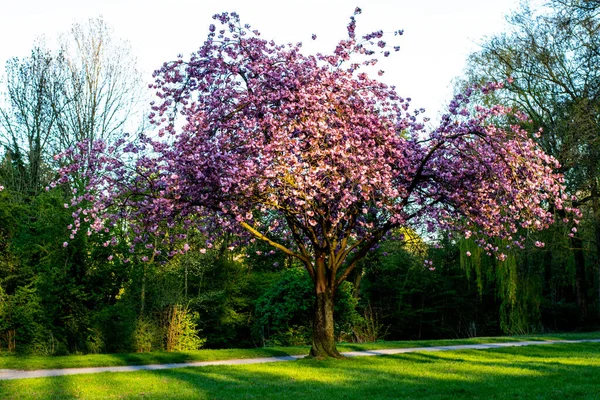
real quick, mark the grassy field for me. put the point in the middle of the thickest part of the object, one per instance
(561, 371)
(9, 361)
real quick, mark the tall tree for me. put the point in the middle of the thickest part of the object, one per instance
(86, 90)
(551, 55)
(35, 99)
(104, 85)
(310, 155)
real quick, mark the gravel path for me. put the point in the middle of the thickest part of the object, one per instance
(7, 374)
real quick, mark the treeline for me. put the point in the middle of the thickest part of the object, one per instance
(62, 291)
(57, 299)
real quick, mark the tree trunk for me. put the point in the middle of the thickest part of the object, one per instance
(580, 281)
(323, 342)
(596, 210)
(143, 292)
(358, 274)
(598, 262)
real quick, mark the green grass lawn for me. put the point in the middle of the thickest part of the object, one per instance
(8, 361)
(561, 371)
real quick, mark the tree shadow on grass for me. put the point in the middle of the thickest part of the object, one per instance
(55, 388)
(557, 354)
(392, 377)
(543, 373)
(202, 355)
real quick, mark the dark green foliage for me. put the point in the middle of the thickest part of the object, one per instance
(117, 324)
(20, 316)
(39, 264)
(284, 313)
(535, 286)
(223, 292)
(415, 302)
(73, 299)
(68, 285)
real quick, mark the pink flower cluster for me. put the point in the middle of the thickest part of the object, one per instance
(311, 155)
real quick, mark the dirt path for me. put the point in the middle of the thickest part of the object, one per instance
(7, 374)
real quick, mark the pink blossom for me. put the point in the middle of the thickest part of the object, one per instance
(314, 154)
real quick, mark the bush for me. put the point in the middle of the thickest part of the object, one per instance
(95, 341)
(366, 328)
(20, 316)
(146, 336)
(181, 331)
(117, 325)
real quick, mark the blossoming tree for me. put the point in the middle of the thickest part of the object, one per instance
(314, 157)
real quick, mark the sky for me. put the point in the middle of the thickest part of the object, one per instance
(438, 34)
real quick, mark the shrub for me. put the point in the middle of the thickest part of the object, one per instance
(181, 331)
(146, 336)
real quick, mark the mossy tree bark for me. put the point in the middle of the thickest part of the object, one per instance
(323, 342)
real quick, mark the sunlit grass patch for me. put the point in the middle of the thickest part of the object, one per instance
(561, 371)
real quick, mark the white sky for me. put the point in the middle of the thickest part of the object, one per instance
(438, 34)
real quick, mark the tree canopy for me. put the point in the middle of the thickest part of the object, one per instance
(313, 156)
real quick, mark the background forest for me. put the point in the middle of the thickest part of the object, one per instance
(63, 292)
